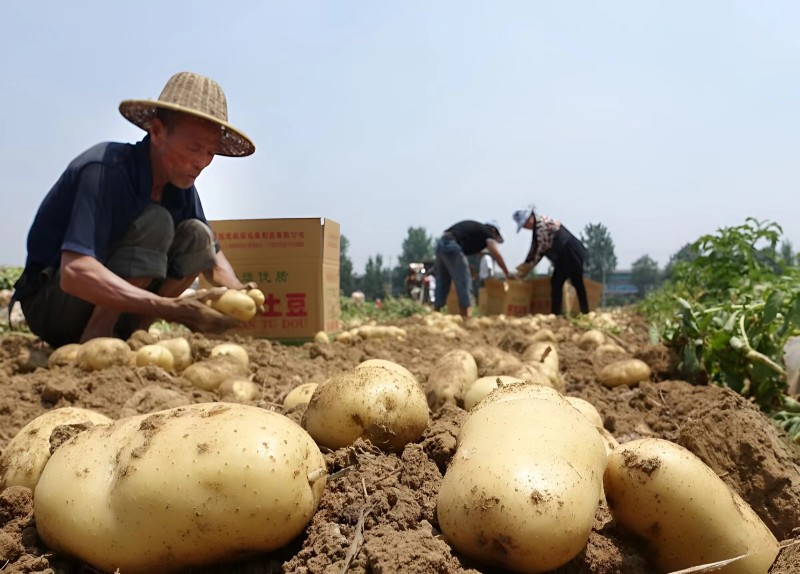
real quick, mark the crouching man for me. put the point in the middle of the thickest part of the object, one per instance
(122, 233)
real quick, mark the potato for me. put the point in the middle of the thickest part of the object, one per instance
(545, 335)
(300, 395)
(180, 489)
(382, 405)
(542, 374)
(321, 338)
(518, 495)
(139, 339)
(591, 339)
(483, 386)
(687, 515)
(239, 390)
(257, 296)
(625, 372)
(63, 356)
(102, 353)
(391, 365)
(492, 361)
(609, 349)
(542, 352)
(155, 355)
(181, 352)
(235, 304)
(26, 454)
(587, 409)
(450, 378)
(608, 440)
(233, 351)
(210, 373)
(380, 331)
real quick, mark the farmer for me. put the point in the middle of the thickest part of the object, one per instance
(122, 232)
(564, 250)
(463, 239)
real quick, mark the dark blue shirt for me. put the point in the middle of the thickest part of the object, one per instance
(95, 200)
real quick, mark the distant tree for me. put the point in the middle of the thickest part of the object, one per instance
(602, 261)
(684, 254)
(346, 281)
(374, 278)
(644, 274)
(788, 256)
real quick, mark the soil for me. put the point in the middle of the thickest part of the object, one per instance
(378, 511)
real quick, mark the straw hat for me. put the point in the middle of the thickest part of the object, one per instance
(196, 95)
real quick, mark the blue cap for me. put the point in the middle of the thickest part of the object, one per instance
(521, 216)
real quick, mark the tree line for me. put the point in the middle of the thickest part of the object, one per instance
(381, 279)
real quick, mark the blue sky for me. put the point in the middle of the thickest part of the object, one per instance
(661, 120)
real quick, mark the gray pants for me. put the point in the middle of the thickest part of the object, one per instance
(153, 247)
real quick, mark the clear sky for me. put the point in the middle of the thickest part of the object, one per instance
(663, 120)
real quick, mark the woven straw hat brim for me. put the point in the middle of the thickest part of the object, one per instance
(233, 142)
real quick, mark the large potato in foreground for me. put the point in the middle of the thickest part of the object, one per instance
(27, 453)
(380, 404)
(181, 488)
(524, 485)
(664, 494)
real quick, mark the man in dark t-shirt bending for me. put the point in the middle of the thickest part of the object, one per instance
(457, 242)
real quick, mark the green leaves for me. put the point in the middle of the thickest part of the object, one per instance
(728, 311)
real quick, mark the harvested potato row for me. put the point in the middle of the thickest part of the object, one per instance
(380, 404)
(688, 516)
(180, 489)
(625, 372)
(450, 378)
(517, 495)
(26, 454)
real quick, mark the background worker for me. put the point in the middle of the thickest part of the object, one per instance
(122, 233)
(565, 251)
(456, 243)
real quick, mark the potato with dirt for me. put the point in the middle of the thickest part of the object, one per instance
(485, 385)
(102, 353)
(373, 402)
(300, 395)
(518, 495)
(625, 372)
(233, 351)
(543, 352)
(239, 390)
(688, 516)
(180, 489)
(26, 455)
(64, 356)
(157, 355)
(450, 378)
(209, 374)
(181, 352)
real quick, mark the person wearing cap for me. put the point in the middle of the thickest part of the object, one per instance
(456, 243)
(122, 232)
(565, 251)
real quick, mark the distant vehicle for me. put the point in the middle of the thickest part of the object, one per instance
(420, 281)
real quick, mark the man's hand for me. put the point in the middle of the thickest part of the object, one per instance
(195, 313)
(523, 269)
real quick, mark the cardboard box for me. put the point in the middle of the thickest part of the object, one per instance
(509, 297)
(296, 264)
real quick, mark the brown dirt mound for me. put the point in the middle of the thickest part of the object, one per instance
(377, 515)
